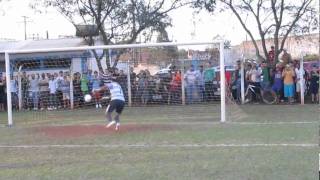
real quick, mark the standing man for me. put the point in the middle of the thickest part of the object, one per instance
(271, 56)
(265, 76)
(286, 58)
(299, 79)
(44, 91)
(52, 93)
(288, 75)
(14, 92)
(34, 91)
(190, 77)
(209, 76)
(201, 84)
(24, 87)
(253, 77)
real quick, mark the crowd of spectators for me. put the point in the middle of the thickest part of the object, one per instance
(51, 91)
(284, 79)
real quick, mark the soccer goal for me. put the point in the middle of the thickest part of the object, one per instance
(51, 83)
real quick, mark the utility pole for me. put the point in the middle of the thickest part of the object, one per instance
(25, 26)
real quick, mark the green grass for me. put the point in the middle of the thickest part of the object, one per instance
(257, 125)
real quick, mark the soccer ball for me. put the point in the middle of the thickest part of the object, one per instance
(87, 98)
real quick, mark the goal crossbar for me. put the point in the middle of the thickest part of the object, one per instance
(119, 46)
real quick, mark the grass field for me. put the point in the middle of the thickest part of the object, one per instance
(167, 142)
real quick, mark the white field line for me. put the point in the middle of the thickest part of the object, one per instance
(184, 123)
(153, 146)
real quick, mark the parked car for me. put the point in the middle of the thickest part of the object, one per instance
(229, 71)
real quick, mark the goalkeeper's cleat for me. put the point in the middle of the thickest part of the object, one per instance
(110, 124)
(117, 126)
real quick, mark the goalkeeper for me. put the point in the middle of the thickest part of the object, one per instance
(117, 100)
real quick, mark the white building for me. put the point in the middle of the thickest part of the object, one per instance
(76, 61)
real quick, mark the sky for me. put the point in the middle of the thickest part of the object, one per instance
(203, 26)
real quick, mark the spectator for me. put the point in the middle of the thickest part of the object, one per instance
(190, 77)
(265, 76)
(59, 79)
(209, 76)
(158, 89)
(65, 88)
(314, 84)
(96, 82)
(34, 91)
(175, 88)
(200, 83)
(52, 85)
(299, 79)
(253, 77)
(288, 75)
(271, 56)
(122, 79)
(133, 77)
(44, 91)
(140, 84)
(84, 84)
(77, 94)
(25, 86)
(143, 89)
(14, 93)
(277, 82)
(2, 93)
(237, 81)
(90, 76)
(286, 58)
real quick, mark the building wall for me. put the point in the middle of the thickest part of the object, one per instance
(295, 45)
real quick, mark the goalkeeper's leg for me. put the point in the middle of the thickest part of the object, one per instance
(119, 108)
(109, 110)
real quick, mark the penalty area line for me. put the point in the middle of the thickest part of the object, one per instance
(109, 146)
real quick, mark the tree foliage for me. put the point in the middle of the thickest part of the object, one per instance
(118, 21)
(275, 18)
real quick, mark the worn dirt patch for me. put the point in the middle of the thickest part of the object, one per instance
(74, 131)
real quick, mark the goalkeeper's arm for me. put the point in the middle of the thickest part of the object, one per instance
(102, 89)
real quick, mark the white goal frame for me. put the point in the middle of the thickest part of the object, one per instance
(121, 46)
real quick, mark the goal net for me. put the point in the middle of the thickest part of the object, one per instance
(176, 82)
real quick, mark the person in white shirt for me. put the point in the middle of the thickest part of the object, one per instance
(117, 102)
(253, 77)
(14, 92)
(190, 78)
(34, 91)
(52, 93)
(299, 78)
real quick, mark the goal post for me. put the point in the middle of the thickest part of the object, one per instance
(8, 69)
(8, 85)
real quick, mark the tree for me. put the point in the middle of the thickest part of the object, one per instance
(118, 21)
(278, 18)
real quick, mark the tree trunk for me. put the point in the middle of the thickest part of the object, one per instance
(99, 65)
